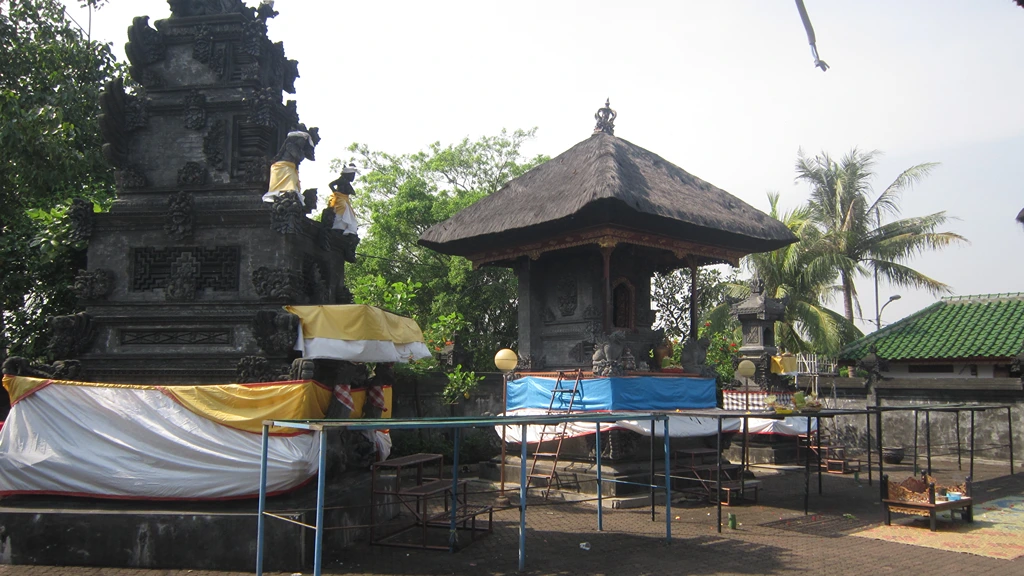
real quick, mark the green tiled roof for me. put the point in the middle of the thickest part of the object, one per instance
(957, 327)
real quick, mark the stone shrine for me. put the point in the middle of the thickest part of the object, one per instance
(188, 271)
(585, 232)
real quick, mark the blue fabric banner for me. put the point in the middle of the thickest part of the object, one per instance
(615, 393)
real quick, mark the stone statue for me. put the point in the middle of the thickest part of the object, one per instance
(60, 370)
(608, 353)
(344, 216)
(284, 172)
(693, 357)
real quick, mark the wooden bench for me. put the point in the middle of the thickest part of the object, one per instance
(895, 499)
(731, 491)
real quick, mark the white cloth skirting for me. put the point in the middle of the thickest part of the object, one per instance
(360, 350)
(139, 443)
(680, 426)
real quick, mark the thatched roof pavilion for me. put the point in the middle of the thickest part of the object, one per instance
(606, 189)
(586, 230)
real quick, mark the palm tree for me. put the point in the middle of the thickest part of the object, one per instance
(854, 239)
(800, 273)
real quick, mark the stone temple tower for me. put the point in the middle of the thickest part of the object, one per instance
(188, 271)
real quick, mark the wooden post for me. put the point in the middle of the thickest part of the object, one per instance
(693, 297)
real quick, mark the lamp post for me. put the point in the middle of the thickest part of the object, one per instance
(505, 361)
(746, 369)
(878, 317)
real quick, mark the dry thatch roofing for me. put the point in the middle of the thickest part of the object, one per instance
(608, 181)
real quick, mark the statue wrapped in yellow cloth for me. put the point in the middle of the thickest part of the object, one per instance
(345, 217)
(284, 172)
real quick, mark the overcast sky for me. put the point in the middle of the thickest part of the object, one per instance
(726, 90)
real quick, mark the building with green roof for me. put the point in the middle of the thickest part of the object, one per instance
(957, 337)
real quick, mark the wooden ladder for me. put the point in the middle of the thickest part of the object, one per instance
(555, 431)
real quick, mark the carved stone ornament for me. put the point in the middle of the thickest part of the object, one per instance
(136, 111)
(591, 311)
(93, 285)
(72, 335)
(252, 369)
(82, 217)
(214, 145)
(184, 278)
(204, 50)
(192, 174)
(531, 363)
(316, 285)
(260, 105)
(145, 46)
(567, 295)
(59, 370)
(254, 34)
(275, 332)
(130, 178)
(607, 359)
(178, 221)
(279, 284)
(251, 71)
(256, 170)
(287, 213)
(195, 110)
(605, 119)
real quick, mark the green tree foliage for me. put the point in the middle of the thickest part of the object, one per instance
(397, 198)
(670, 293)
(801, 273)
(855, 238)
(50, 79)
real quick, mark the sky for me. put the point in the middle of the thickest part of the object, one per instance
(726, 90)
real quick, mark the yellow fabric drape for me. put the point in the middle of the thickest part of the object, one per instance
(339, 202)
(284, 177)
(356, 322)
(240, 406)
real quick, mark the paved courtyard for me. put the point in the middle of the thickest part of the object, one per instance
(773, 537)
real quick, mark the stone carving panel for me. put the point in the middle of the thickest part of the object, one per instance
(192, 174)
(184, 278)
(94, 285)
(178, 221)
(72, 335)
(195, 110)
(275, 332)
(252, 369)
(197, 337)
(287, 213)
(214, 145)
(82, 217)
(218, 267)
(279, 284)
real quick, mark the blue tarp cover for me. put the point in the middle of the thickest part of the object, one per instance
(616, 393)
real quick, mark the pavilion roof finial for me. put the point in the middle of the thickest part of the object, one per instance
(605, 119)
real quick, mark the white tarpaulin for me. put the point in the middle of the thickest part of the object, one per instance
(680, 425)
(130, 442)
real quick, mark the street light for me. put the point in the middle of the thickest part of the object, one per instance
(505, 361)
(878, 317)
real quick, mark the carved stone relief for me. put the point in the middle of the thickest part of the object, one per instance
(275, 332)
(192, 174)
(178, 221)
(82, 217)
(94, 285)
(287, 213)
(547, 315)
(218, 267)
(204, 50)
(71, 335)
(195, 110)
(252, 369)
(174, 337)
(259, 106)
(130, 178)
(256, 170)
(184, 278)
(59, 370)
(279, 284)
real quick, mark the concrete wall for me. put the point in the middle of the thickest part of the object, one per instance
(992, 427)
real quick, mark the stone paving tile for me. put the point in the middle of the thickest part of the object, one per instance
(632, 544)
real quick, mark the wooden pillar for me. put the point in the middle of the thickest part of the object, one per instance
(693, 297)
(606, 256)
